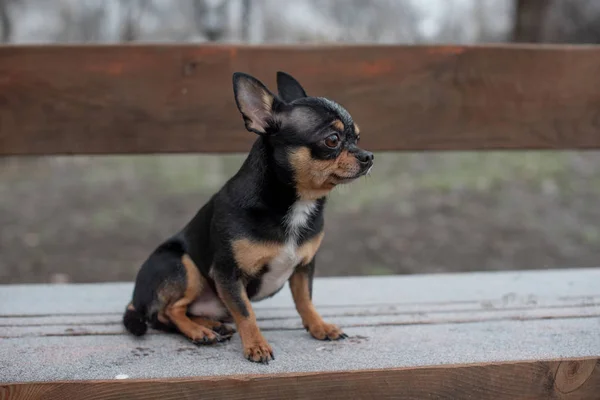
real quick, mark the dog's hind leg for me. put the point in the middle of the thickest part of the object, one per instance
(176, 311)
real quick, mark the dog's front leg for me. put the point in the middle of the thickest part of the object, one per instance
(234, 296)
(301, 287)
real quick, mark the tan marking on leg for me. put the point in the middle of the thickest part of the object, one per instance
(177, 311)
(196, 333)
(311, 319)
(252, 256)
(162, 318)
(209, 323)
(308, 249)
(256, 347)
(130, 307)
(219, 327)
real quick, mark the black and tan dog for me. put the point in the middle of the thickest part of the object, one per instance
(261, 229)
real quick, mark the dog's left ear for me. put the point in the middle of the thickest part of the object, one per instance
(289, 89)
(255, 102)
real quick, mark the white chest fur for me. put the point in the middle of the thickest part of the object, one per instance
(282, 266)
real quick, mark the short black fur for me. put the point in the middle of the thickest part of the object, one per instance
(253, 204)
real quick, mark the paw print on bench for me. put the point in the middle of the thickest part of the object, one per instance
(142, 351)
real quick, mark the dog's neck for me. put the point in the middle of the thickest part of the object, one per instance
(272, 184)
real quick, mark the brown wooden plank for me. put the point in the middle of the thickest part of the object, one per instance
(178, 98)
(567, 379)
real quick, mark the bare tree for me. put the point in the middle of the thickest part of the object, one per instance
(134, 9)
(573, 21)
(211, 18)
(5, 22)
(557, 21)
(246, 11)
(380, 21)
(529, 20)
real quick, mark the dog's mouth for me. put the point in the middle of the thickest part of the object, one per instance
(347, 179)
(343, 179)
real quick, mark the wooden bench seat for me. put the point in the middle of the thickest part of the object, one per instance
(504, 334)
(484, 335)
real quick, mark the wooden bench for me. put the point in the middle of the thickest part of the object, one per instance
(483, 335)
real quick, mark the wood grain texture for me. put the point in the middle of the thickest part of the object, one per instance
(395, 322)
(178, 98)
(163, 356)
(568, 379)
(269, 321)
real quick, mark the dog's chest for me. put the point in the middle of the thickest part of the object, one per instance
(282, 266)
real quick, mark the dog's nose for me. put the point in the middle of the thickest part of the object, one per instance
(365, 156)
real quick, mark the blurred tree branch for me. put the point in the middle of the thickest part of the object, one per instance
(246, 5)
(529, 20)
(585, 22)
(134, 11)
(557, 21)
(5, 22)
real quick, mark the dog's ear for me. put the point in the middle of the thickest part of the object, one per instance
(254, 101)
(289, 89)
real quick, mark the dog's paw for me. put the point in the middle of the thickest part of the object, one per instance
(205, 336)
(224, 331)
(325, 331)
(260, 352)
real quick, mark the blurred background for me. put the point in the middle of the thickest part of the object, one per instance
(94, 219)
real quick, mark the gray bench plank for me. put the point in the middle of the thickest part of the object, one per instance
(169, 356)
(113, 326)
(51, 333)
(514, 287)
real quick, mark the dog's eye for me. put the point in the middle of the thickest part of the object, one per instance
(332, 141)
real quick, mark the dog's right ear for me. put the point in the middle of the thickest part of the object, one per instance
(254, 101)
(289, 88)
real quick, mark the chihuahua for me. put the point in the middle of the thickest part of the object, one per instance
(260, 230)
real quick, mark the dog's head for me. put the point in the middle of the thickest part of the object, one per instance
(313, 137)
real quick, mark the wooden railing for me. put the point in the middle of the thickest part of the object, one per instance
(171, 98)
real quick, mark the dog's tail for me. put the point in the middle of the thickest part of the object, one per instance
(134, 321)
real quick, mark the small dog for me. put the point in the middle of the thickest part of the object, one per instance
(261, 229)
